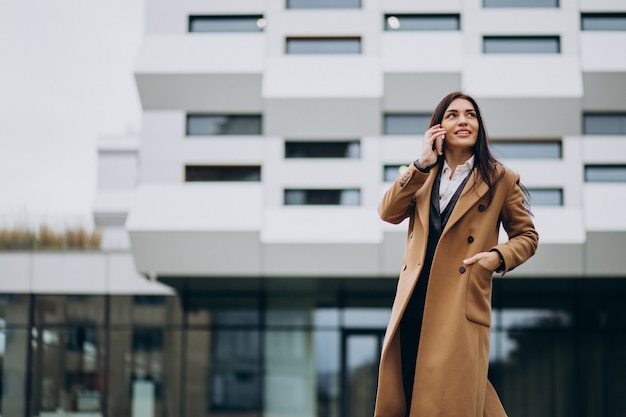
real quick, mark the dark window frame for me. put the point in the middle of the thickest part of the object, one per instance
(289, 7)
(426, 17)
(522, 4)
(559, 190)
(498, 153)
(223, 173)
(231, 116)
(223, 18)
(421, 117)
(601, 167)
(319, 199)
(617, 114)
(556, 38)
(618, 16)
(334, 150)
(329, 39)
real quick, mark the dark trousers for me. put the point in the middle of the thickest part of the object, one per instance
(409, 342)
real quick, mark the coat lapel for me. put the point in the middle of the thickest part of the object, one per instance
(470, 195)
(423, 198)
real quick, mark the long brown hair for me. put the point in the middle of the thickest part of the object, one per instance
(484, 161)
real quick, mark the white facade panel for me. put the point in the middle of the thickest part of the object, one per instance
(69, 273)
(599, 51)
(15, 272)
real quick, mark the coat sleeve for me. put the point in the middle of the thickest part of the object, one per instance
(399, 198)
(519, 226)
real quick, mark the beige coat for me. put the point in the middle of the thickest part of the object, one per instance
(451, 370)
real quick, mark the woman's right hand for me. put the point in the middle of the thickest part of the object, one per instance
(432, 147)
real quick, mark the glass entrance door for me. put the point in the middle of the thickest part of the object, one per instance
(360, 358)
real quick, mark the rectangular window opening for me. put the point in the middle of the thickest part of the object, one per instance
(546, 196)
(323, 197)
(405, 123)
(323, 4)
(391, 171)
(521, 3)
(527, 149)
(226, 23)
(521, 44)
(212, 173)
(323, 46)
(604, 123)
(323, 149)
(422, 22)
(605, 173)
(603, 21)
(223, 124)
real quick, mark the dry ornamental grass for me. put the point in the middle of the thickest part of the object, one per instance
(45, 238)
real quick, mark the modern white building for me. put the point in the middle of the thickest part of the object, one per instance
(245, 271)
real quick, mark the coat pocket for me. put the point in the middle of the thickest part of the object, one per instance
(479, 287)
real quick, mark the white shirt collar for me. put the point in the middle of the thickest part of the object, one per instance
(463, 168)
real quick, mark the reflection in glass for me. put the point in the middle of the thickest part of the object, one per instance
(61, 309)
(323, 4)
(546, 196)
(226, 23)
(215, 124)
(422, 22)
(527, 150)
(13, 362)
(14, 309)
(371, 318)
(603, 21)
(605, 173)
(604, 123)
(235, 383)
(521, 3)
(349, 197)
(406, 124)
(521, 44)
(67, 369)
(362, 354)
(331, 46)
(322, 149)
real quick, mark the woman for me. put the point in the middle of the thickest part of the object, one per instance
(436, 350)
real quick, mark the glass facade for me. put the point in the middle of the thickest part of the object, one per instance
(293, 347)
(223, 124)
(227, 23)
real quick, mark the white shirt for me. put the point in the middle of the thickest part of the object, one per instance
(447, 185)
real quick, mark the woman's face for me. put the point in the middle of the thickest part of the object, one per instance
(461, 124)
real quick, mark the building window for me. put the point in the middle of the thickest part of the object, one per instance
(405, 124)
(604, 123)
(521, 3)
(391, 172)
(323, 149)
(222, 124)
(605, 173)
(521, 44)
(234, 23)
(323, 4)
(527, 150)
(329, 46)
(546, 196)
(409, 22)
(209, 173)
(302, 197)
(603, 21)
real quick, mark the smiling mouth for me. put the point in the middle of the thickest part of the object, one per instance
(463, 132)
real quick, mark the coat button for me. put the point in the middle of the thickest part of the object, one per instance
(481, 208)
(462, 270)
(470, 239)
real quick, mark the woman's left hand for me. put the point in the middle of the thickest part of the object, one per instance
(488, 260)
